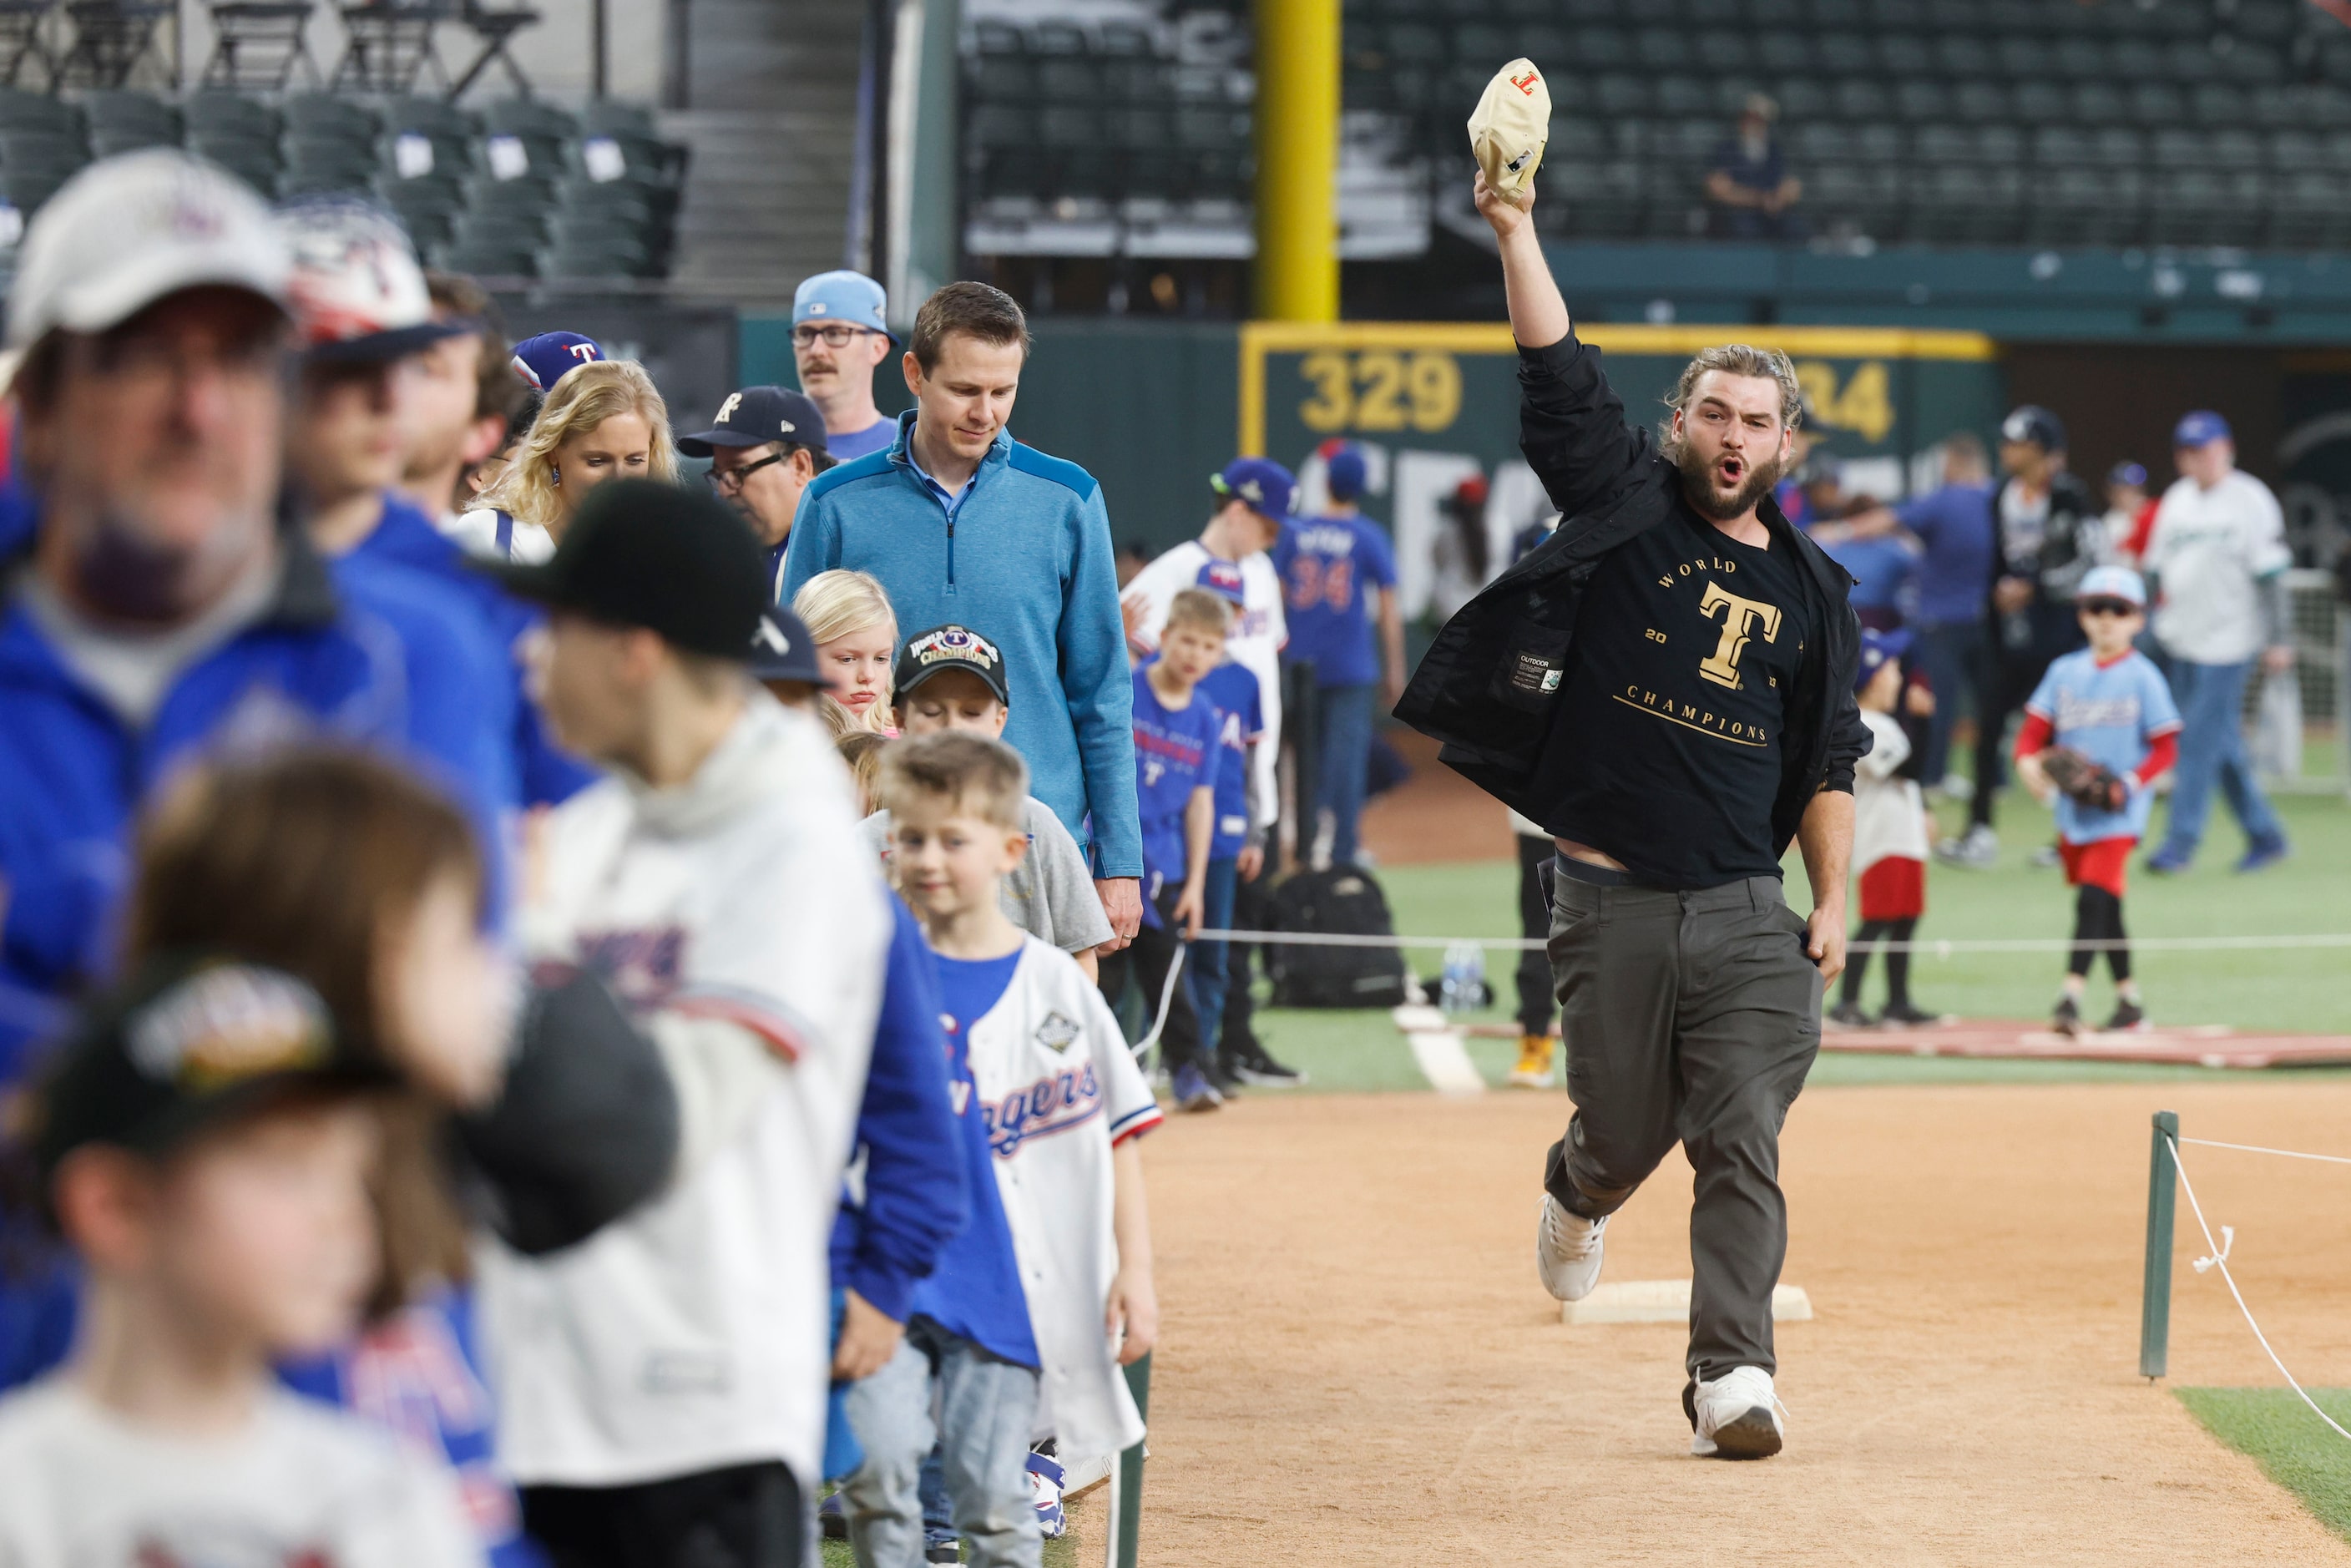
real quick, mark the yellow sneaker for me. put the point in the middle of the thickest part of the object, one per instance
(1533, 1071)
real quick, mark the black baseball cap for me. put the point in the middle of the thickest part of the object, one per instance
(187, 1041)
(949, 647)
(643, 553)
(2030, 422)
(757, 416)
(782, 650)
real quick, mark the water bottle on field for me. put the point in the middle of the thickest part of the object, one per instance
(1463, 988)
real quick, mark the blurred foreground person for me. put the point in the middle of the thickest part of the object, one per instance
(206, 1145)
(164, 612)
(662, 1386)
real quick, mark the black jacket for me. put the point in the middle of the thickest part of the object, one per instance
(1489, 686)
(2069, 548)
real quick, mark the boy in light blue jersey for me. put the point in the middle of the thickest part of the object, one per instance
(2110, 706)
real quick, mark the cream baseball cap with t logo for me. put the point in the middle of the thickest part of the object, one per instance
(1512, 123)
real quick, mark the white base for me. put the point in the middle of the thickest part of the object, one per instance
(1668, 1302)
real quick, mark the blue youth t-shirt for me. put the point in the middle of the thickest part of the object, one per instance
(875, 437)
(975, 1291)
(1232, 690)
(1329, 566)
(1174, 753)
(2108, 713)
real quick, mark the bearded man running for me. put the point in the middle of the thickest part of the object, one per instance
(1667, 686)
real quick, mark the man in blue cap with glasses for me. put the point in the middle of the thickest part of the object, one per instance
(841, 335)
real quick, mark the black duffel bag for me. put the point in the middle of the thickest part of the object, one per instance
(1344, 901)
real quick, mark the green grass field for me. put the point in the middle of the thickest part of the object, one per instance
(2292, 1446)
(2294, 990)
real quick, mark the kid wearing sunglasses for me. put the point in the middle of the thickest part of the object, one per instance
(2097, 731)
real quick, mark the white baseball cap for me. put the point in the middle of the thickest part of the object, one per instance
(1511, 128)
(128, 231)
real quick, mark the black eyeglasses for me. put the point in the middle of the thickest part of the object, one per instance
(835, 335)
(732, 479)
(2106, 606)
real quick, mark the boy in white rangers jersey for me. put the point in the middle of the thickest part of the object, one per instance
(663, 1385)
(1889, 840)
(1060, 1102)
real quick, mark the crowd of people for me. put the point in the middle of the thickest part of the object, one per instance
(1985, 593)
(551, 1013)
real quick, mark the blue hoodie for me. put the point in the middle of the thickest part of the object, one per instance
(405, 537)
(1025, 560)
(368, 658)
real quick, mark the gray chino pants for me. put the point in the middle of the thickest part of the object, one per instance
(1690, 1018)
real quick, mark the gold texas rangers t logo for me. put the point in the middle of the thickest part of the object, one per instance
(1738, 622)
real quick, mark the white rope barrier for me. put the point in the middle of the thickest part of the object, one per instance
(2257, 1149)
(2218, 1257)
(1942, 949)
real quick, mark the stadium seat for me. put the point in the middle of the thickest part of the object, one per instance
(122, 121)
(2310, 209)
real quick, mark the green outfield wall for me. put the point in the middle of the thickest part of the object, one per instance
(1152, 409)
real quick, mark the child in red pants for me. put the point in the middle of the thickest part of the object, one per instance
(1889, 843)
(2110, 707)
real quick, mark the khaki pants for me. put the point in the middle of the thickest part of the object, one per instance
(1690, 1018)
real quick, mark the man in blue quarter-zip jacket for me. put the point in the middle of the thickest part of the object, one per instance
(961, 523)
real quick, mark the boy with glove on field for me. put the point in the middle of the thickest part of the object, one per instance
(2098, 730)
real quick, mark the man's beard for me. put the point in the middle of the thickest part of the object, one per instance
(1708, 501)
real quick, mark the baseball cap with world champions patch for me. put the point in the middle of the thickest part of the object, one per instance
(187, 1042)
(949, 647)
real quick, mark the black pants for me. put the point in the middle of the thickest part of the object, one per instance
(1252, 911)
(1302, 734)
(1147, 960)
(2002, 688)
(748, 1516)
(2098, 917)
(1691, 1018)
(1864, 942)
(1534, 922)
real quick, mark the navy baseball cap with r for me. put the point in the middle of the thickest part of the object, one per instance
(188, 1040)
(782, 650)
(2033, 423)
(950, 647)
(677, 562)
(757, 416)
(850, 298)
(1265, 485)
(1877, 650)
(542, 360)
(2201, 428)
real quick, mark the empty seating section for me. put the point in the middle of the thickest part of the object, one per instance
(1063, 119)
(2115, 123)
(521, 188)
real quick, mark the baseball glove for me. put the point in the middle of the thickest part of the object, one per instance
(2088, 783)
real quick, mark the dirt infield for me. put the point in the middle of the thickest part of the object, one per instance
(1359, 1366)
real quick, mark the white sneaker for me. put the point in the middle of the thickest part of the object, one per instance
(1567, 1251)
(1980, 848)
(1735, 1417)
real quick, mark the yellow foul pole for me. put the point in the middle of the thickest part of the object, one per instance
(1297, 160)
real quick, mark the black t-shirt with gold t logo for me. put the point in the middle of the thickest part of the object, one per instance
(1666, 754)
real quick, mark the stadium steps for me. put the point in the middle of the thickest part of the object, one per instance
(772, 127)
